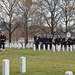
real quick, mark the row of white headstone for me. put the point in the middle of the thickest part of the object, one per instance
(58, 48)
(6, 66)
(31, 45)
(18, 45)
(14, 45)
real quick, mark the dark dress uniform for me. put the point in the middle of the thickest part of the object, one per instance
(47, 41)
(62, 41)
(40, 41)
(3, 39)
(73, 41)
(51, 39)
(69, 42)
(58, 41)
(35, 39)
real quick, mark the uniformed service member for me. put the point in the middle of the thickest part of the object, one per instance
(3, 39)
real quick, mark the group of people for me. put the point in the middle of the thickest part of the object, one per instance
(2, 40)
(56, 40)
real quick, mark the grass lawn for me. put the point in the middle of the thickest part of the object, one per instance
(39, 62)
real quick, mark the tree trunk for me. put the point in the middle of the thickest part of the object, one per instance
(9, 37)
(9, 33)
(66, 24)
(66, 18)
(25, 31)
(52, 20)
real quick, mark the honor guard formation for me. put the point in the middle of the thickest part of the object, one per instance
(47, 39)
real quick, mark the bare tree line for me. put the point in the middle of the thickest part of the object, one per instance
(59, 15)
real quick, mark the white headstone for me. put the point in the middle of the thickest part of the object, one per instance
(48, 47)
(5, 67)
(34, 47)
(63, 48)
(7, 45)
(23, 45)
(74, 47)
(10, 45)
(44, 47)
(68, 73)
(67, 48)
(53, 48)
(58, 48)
(31, 45)
(15, 45)
(71, 48)
(18, 45)
(22, 64)
(39, 47)
(28, 45)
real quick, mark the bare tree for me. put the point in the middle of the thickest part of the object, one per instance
(51, 13)
(9, 15)
(25, 9)
(68, 17)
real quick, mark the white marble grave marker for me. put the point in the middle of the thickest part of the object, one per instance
(22, 64)
(67, 48)
(5, 67)
(10, 45)
(28, 45)
(58, 48)
(53, 48)
(44, 47)
(31, 45)
(71, 48)
(68, 73)
(39, 47)
(34, 47)
(15, 45)
(48, 47)
(18, 45)
(23, 45)
(74, 47)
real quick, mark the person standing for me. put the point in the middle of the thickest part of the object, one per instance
(63, 38)
(35, 37)
(51, 39)
(3, 39)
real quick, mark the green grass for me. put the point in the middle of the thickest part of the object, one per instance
(39, 62)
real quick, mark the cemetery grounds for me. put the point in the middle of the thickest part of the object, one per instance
(39, 62)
